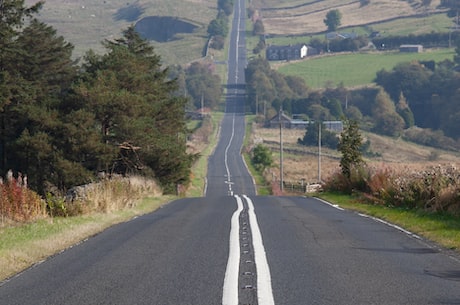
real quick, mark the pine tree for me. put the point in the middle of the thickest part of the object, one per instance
(350, 145)
(13, 15)
(45, 72)
(139, 116)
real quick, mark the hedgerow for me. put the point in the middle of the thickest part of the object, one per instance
(436, 189)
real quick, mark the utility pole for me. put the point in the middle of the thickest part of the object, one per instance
(281, 150)
(257, 105)
(202, 105)
(319, 152)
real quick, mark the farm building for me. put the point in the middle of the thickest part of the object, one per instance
(290, 52)
(411, 48)
(288, 122)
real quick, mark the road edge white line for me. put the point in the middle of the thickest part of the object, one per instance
(264, 282)
(230, 288)
(375, 219)
(335, 206)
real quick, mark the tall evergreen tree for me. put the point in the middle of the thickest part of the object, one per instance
(13, 15)
(139, 116)
(350, 145)
(46, 72)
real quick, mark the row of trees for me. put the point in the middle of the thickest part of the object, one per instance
(430, 94)
(218, 28)
(61, 124)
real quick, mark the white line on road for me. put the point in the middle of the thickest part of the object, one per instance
(264, 282)
(230, 290)
(336, 206)
(227, 168)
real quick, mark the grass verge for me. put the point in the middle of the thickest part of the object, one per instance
(200, 168)
(24, 245)
(440, 228)
(262, 187)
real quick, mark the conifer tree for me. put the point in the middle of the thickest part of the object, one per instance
(350, 145)
(134, 105)
(13, 14)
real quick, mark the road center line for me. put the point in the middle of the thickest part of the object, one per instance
(230, 290)
(264, 283)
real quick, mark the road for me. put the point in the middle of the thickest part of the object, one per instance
(233, 247)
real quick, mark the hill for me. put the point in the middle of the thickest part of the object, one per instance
(86, 23)
(294, 17)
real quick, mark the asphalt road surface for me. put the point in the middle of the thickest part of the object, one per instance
(233, 247)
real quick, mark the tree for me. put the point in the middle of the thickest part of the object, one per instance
(141, 119)
(226, 6)
(13, 16)
(262, 157)
(43, 75)
(218, 26)
(259, 28)
(350, 144)
(404, 111)
(457, 52)
(202, 85)
(328, 138)
(333, 20)
(387, 120)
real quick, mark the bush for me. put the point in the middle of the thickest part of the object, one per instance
(217, 42)
(261, 157)
(436, 189)
(357, 181)
(17, 202)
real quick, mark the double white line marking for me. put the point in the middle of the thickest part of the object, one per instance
(264, 286)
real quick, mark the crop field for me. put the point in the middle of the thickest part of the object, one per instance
(86, 23)
(354, 69)
(301, 17)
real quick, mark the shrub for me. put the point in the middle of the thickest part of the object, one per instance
(110, 194)
(261, 157)
(436, 189)
(17, 202)
(354, 181)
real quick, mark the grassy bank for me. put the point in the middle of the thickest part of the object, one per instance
(440, 228)
(23, 245)
(207, 142)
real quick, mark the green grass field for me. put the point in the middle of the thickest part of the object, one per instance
(355, 69)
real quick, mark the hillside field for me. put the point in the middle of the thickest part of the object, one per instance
(354, 69)
(294, 17)
(86, 23)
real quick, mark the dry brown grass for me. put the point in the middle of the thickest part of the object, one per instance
(115, 194)
(302, 162)
(104, 204)
(292, 17)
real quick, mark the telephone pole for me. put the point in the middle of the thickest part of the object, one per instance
(319, 152)
(281, 150)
